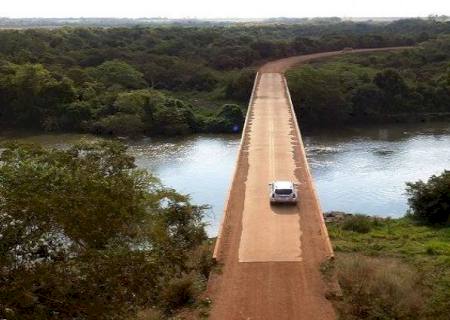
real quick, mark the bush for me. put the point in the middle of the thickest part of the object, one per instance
(429, 201)
(179, 292)
(358, 223)
(377, 289)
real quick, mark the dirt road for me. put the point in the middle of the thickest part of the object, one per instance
(271, 255)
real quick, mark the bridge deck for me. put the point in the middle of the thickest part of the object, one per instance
(270, 255)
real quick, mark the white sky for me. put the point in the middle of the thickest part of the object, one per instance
(222, 8)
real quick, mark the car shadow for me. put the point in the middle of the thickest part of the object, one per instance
(284, 208)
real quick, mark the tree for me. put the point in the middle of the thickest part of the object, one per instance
(429, 201)
(233, 118)
(318, 95)
(86, 235)
(173, 117)
(367, 101)
(34, 94)
(391, 82)
(119, 73)
(240, 85)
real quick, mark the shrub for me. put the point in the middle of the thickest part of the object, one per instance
(179, 292)
(358, 223)
(429, 201)
(377, 289)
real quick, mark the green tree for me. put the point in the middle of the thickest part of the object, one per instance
(240, 85)
(318, 95)
(86, 235)
(429, 201)
(33, 94)
(118, 73)
(367, 101)
(173, 117)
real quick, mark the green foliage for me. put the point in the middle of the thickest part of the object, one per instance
(229, 119)
(179, 292)
(86, 235)
(240, 85)
(80, 78)
(115, 72)
(31, 94)
(119, 124)
(318, 95)
(430, 201)
(173, 117)
(417, 249)
(374, 87)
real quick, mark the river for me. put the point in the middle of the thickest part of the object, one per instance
(357, 169)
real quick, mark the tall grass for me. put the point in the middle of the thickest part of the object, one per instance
(375, 288)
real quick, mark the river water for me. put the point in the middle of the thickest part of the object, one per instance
(358, 169)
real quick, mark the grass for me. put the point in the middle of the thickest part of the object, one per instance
(383, 247)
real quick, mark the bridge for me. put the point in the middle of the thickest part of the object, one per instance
(270, 256)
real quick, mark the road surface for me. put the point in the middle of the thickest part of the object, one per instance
(270, 256)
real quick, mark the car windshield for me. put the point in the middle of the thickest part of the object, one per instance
(283, 191)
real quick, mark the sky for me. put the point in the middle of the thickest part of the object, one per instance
(222, 9)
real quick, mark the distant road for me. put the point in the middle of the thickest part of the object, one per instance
(271, 255)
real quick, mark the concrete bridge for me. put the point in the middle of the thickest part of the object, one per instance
(270, 256)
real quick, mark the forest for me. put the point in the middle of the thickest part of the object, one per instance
(410, 85)
(169, 80)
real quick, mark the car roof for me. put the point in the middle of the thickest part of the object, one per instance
(283, 185)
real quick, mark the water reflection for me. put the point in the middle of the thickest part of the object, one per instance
(368, 168)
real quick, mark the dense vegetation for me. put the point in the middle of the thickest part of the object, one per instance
(430, 201)
(85, 235)
(162, 80)
(408, 85)
(396, 269)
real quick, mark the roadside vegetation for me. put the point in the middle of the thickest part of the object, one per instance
(396, 268)
(411, 85)
(86, 235)
(176, 79)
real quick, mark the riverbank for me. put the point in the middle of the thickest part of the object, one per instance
(389, 268)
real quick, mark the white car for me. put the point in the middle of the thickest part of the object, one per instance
(283, 192)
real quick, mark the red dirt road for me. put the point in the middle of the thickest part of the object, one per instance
(271, 255)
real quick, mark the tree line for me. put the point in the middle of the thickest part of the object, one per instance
(80, 78)
(396, 86)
